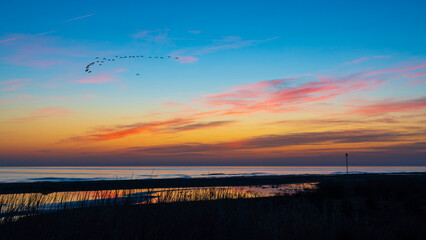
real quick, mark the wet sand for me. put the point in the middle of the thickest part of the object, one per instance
(48, 187)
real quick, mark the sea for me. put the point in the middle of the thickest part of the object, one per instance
(38, 174)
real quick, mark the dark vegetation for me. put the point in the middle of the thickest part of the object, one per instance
(391, 208)
(49, 187)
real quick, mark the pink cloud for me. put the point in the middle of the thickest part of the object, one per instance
(173, 104)
(13, 84)
(416, 82)
(187, 59)
(154, 36)
(9, 39)
(22, 36)
(390, 106)
(365, 59)
(101, 78)
(279, 96)
(46, 112)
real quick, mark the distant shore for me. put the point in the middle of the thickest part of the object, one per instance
(48, 187)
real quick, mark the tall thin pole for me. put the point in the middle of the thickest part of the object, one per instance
(347, 172)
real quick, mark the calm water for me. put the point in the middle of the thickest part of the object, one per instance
(30, 174)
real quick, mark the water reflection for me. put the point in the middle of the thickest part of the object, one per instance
(13, 205)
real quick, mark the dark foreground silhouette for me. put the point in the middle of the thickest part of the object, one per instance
(391, 208)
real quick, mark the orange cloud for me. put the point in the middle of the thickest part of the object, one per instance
(327, 139)
(122, 131)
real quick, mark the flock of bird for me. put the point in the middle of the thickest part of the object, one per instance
(103, 60)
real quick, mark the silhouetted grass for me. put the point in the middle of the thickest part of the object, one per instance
(394, 208)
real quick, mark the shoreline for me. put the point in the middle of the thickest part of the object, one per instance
(70, 186)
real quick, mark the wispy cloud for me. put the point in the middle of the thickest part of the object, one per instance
(281, 95)
(121, 131)
(170, 126)
(77, 18)
(390, 106)
(17, 99)
(337, 121)
(194, 31)
(202, 125)
(325, 138)
(9, 39)
(41, 51)
(13, 84)
(46, 112)
(226, 43)
(155, 36)
(24, 36)
(100, 78)
(365, 59)
(187, 59)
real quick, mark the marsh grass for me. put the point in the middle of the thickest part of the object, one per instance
(16, 206)
(371, 209)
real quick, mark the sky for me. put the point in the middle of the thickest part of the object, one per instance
(219, 83)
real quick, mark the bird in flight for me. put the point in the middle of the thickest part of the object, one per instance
(102, 60)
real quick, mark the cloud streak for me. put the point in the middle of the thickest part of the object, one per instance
(13, 84)
(77, 18)
(226, 43)
(326, 138)
(286, 95)
(9, 39)
(390, 106)
(170, 126)
(365, 59)
(46, 112)
(100, 78)
(153, 36)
